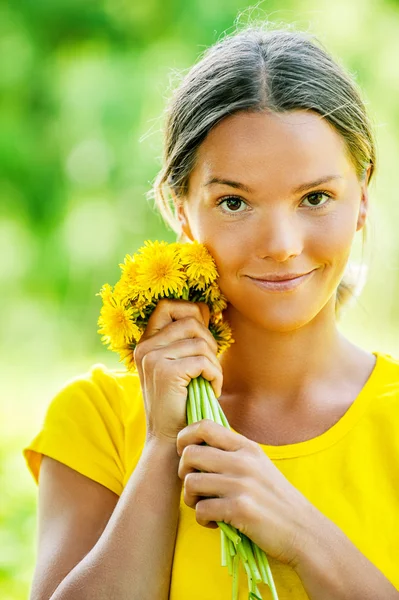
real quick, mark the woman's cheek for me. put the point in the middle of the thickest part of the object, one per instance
(331, 243)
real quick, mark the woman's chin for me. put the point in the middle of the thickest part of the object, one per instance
(277, 319)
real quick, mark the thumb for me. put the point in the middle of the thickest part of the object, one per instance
(205, 312)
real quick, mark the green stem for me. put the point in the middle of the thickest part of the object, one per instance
(223, 418)
(251, 560)
(205, 408)
(193, 404)
(197, 396)
(260, 561)
(236, 560)
(242, 551)
(229, 556)
(230, 532)
(269, 576)
(223, 556)
(253, 588)
(212, 400)
(203, 404)
(189, 412)
(232, 548)
(216, 403)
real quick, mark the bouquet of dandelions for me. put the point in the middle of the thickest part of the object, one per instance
(185, 271)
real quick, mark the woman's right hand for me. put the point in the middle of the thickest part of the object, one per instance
(176, 347)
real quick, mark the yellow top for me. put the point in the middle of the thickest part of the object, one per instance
(96, 425)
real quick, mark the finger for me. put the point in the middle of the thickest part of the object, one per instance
(183, 370)
(169, 310)
(191, 347)
(198, 485)
(205, 311)
(184, 328)
(196, 366)
(212, 434)
(208, 459)
(228, 510)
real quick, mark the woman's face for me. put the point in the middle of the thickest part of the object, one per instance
(267, 219)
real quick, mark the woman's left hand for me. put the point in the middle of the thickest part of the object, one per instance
(242, 488)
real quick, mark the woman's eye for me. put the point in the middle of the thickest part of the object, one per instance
(233, 203)
(314, 199)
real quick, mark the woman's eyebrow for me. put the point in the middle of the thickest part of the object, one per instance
(234, 184)
(300, 188)
(306, 186)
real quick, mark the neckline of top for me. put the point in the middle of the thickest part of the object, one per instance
(339, 429)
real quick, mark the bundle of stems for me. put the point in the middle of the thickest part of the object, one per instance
(235, 546)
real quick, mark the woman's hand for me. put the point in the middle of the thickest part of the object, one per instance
(243, 488)
(175, 348)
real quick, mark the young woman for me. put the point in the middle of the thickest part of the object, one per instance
(268, 156)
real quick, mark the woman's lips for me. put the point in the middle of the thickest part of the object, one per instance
(283, 285)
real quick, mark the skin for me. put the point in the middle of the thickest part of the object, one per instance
(243, 488)
(290, 375)
(297, 373)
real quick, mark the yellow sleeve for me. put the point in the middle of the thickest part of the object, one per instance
(83, 428)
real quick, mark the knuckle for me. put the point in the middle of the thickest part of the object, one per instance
(243, 507)
(187, 497)
(201, 343)
(138, 352)
(149, 359)
(254, 448)
(189, 325)
(163, 302)
(189, 452)
(194, 324)
(204, 426)
(200, 362)
(204, 361)
(201, 512)
(191, 482)
(241, 485)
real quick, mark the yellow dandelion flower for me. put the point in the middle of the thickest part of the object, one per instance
(116, 323)
(159, 270)
(200, 266)
(221, 331)
(105, 292)
(128, 280)
(141, 307)
(216, 318)
(122, 290)
(127, 356)
(176, 246)
(214, 298)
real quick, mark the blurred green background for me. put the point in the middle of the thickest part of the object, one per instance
(83, 86)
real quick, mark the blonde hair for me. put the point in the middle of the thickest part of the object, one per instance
(253, 70)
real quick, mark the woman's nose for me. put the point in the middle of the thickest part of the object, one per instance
(280, 238)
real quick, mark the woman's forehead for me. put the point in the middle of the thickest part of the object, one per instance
(297, 146)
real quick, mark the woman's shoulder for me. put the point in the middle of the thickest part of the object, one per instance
(384, 383)
(387, 369)
(120, 387)
(85, 424)
(107, 388)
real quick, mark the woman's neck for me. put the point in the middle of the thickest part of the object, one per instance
(280, 369)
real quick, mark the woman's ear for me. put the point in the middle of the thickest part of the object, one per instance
(364, 202)
(363, 209)
(182, 218)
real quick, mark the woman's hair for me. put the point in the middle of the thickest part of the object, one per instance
(254, 70)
